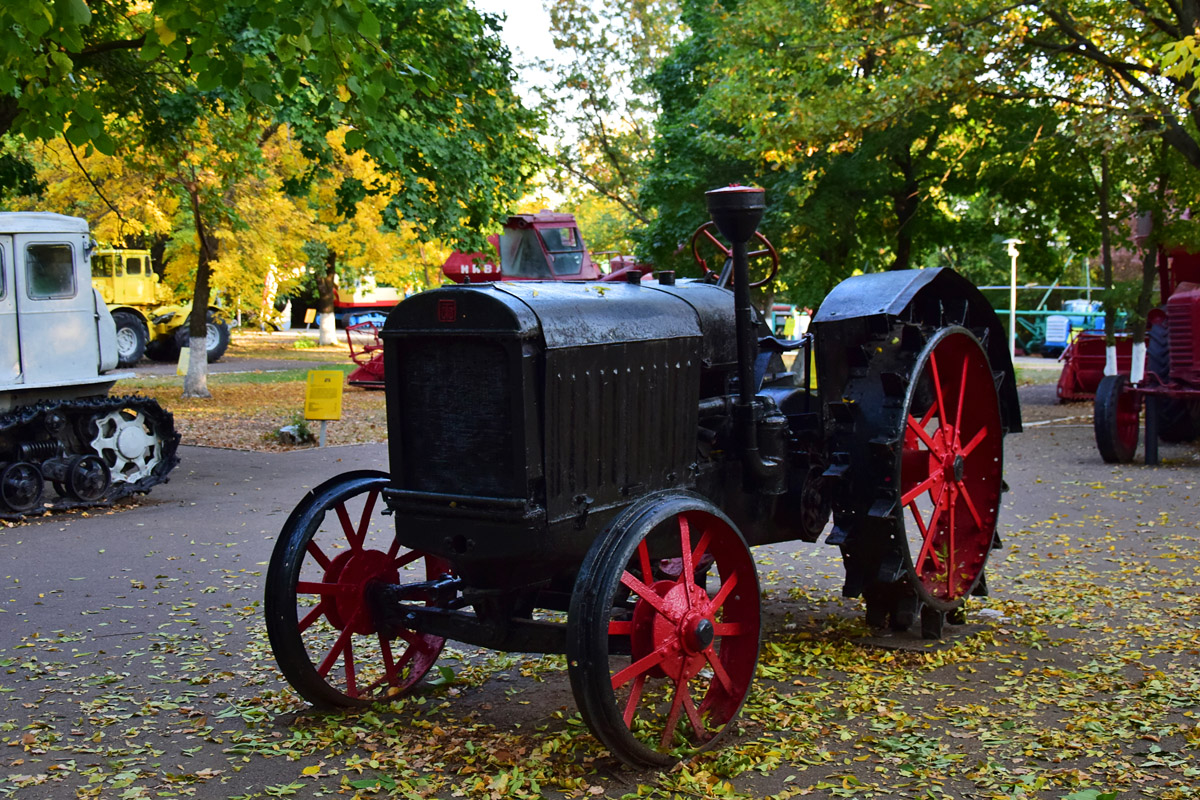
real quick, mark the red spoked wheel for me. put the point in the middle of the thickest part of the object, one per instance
(705, 238)
(660, 662)
(335, 545)
(950, 468)
(1116, 414)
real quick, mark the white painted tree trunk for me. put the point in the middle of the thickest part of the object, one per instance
(195, 383)
(1110, 360)
(328, 334)
(1137, 364)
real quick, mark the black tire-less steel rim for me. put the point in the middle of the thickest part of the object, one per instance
(332, 547)
(950, 468)
(659, 664)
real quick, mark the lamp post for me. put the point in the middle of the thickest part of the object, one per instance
(1012, 298)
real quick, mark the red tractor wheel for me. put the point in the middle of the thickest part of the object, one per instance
(949, 470)
(1115, 419)
(335, 544)
(660, 663)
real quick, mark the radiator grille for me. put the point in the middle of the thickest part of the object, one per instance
(620, 419)
(456, 418)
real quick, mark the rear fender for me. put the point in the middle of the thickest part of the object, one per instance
(864, 307)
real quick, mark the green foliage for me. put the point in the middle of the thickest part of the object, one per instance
(424, 87)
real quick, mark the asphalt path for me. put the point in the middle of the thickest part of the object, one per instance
(132, 660)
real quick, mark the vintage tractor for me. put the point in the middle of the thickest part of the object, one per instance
(149, 321)
(57, 345)
(612, 451)
(1170, 384)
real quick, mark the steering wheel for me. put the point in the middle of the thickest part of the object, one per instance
(706, 236)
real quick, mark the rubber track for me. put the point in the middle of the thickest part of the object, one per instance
(91, 408)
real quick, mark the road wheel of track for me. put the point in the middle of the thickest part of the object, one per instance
(1116, 411)
(659, 665)
(132, 338)
(333, 546)
(21, 486)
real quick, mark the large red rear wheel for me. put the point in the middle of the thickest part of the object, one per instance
(950, 468)
(334, 546)
(661, 654)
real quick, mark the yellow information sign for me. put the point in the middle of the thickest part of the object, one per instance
(323, 394)
(185, 354)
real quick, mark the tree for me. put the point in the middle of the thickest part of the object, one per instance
(601, 105)
(423, 87)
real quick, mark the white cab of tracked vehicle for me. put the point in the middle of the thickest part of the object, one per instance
(55, 331)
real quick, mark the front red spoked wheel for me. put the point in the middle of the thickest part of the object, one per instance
(950, 468)
(661, 656)
(333, 547)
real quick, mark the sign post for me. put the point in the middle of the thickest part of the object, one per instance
(323, 397)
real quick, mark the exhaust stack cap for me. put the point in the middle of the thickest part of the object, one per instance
(736, 210)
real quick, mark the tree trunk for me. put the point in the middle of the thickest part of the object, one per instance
(1110, 311)
(325, 287)
(1149, 277)
(195, 383)
(905, 203)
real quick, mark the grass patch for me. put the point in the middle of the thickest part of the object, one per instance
(232, 378)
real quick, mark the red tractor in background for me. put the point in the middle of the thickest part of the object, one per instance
(1170, 388)
(532, 247)
(548, 246)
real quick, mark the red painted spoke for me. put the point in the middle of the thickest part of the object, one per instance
(718, 244)
(937, 387)
(318, 554)
(406, 559)
(336, 650)
(646, 593)
(394, 548)
(620, 627)
(389, 669)
(927, 485)
(928, 533)
(323, 589)
(639, 667)
(975, 515)
(312, 616)
(364, 521)
(722, 594)
(975, 440)
(962, 393)
(757, 253)
(701, 547)
(916, 512)
(694, 716)
(635, 697)
(918, 428)
(719, 669)
(644, 560)
(950, 550)
(347, 526)
(685, 549)
(728, 629)
(415, 641)
(348, 661)
(673, 716)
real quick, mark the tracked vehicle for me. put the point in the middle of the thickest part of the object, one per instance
(58, 345)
